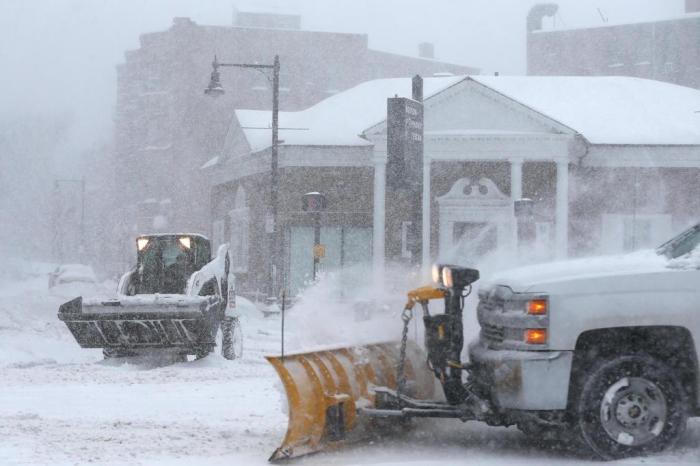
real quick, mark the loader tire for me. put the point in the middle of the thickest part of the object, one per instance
(630, 405)
(231, 338)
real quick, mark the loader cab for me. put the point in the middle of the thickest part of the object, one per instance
(165, 262)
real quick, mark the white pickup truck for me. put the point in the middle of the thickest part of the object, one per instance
(602, 348)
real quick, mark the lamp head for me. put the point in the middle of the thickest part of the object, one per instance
(215, 89)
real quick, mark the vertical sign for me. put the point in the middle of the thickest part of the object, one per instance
(404, 175)
(404, 143)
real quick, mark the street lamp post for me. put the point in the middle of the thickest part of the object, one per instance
(215, 89)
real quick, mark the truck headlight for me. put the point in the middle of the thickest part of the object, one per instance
(141, 243)
(447, 280)
(186, 242)
(458, 277)
(537, 307)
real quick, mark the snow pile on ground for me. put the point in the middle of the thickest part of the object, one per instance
(61, 404)
(30, 332)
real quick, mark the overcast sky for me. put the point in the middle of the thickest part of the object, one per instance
(59, 56)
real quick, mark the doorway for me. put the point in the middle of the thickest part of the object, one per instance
(348, 249)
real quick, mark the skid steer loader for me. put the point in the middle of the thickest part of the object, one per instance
(175, 300)
(344, 394)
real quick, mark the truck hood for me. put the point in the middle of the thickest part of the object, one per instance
(537, 277)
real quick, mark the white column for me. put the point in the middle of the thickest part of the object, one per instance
(516, 192)
(516, 179)
(425, 222)
(562, 209)
(378, 209)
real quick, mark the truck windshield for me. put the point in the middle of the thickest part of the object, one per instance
(681, 244)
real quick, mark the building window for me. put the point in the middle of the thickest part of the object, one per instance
(239, 219)
(628, 232)
(348, 253)
(636, 232)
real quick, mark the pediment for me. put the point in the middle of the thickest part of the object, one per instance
(470, 106)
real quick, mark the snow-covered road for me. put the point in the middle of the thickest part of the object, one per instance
(61, 405)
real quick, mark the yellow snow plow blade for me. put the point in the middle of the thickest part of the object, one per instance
(326, 388)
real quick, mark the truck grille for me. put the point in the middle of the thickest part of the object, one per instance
(491, 305)
(492, 332)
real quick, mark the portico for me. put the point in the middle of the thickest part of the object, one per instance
(475, 147)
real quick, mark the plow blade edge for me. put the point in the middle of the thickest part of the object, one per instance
(326, 388)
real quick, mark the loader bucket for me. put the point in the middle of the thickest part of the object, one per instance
(325, 388)
(143, 322)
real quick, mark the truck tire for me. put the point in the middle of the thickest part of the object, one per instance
(630, 405)
(231, 338)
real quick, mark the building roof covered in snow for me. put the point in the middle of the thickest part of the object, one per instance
(338, 120)
(612, 24)
(610, 110)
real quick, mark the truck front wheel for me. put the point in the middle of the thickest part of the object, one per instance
(630, 405)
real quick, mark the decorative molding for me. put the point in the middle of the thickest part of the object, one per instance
(474, 202)
(464, 190)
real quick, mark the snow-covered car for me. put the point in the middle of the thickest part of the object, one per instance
(72, 273)
(604, 348)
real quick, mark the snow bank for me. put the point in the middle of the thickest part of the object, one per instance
(30, 332)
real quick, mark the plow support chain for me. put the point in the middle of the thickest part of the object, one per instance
(325, 389)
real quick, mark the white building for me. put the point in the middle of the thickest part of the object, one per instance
(611, 163)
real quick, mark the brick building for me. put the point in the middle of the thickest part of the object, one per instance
(166, 128)
(665, 50)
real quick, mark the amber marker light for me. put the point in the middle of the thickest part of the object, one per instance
(537, 307)
(536, 336)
